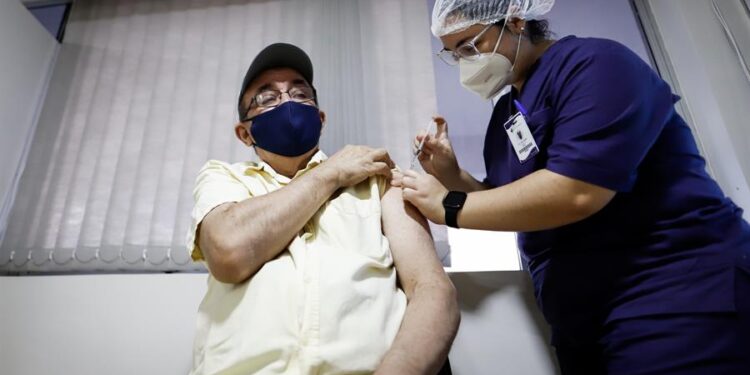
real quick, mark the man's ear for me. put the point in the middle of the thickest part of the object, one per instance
(322, 118)
(243, 134)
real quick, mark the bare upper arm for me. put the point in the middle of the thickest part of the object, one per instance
(210, 242)
(411, 243)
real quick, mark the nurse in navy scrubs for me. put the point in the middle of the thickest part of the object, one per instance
(640, 263)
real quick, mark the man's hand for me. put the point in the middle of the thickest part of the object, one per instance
(423, 191)
(353, 164)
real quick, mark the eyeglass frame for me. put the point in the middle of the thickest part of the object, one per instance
(254, 100)
(471, 43)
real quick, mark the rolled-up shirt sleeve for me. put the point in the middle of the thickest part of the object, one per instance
(216, 184)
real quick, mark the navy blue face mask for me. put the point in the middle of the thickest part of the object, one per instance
(290, 129)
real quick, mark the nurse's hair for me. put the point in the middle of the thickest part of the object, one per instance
(536, 30)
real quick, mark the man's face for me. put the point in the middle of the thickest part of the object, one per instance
(282, 80)
(287, 81)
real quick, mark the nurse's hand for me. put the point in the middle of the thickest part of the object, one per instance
(437, 157)
(425, 192)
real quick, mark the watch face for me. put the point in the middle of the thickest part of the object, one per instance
(454, 199)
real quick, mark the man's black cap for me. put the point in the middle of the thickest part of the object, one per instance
(278, 55)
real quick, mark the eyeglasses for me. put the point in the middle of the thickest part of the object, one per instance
(467, 51)
(268, 99)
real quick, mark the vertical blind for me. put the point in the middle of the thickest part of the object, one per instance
(144, 92)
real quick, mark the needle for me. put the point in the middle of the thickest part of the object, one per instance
(419, 149)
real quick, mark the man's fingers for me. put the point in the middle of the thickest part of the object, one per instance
(381, 155)
(382, 169)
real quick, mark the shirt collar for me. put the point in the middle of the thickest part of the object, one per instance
(262, 166)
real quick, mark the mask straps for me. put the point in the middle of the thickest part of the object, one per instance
(518, 50)
(248, 132)
(502, 30)
(512, 10)
(510, 101)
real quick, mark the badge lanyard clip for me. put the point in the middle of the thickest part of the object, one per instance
(520, 135)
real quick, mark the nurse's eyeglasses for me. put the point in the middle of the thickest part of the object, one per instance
(269, 99)
(467, 51)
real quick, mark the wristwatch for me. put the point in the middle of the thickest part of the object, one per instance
(453, 202)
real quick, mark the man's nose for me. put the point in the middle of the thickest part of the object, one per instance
(282, 100)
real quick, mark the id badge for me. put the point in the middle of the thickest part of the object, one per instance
(521, 138)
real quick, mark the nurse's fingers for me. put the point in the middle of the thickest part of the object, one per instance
(408, 194)
(409, 173)
(442, 126)
(431, 144)
(427, 148)
(424, 155)
(396, 179)
(408, 182)
(411, 195)
(422, 135)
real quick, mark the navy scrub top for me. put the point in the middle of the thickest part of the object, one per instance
(669, 241)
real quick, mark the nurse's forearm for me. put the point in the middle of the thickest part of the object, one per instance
(464, 181)
(539, 201)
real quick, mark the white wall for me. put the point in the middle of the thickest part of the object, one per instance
(610, 19)
(98, 324)
(144, 324)
(502, 331)
(27, 51)
(712, 83)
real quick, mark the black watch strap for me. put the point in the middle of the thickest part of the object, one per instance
(451, 217)
(453, 203)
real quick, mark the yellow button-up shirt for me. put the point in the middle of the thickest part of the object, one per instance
(328, 304)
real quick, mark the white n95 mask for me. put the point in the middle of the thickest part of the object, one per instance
(489, 73)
